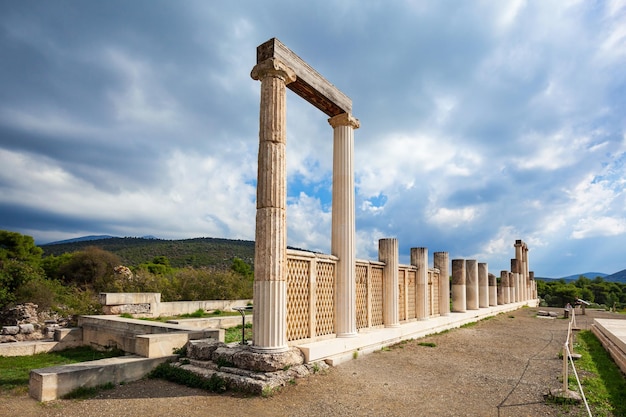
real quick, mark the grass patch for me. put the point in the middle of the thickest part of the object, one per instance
(233, 334)
(427, 344)
(184, 377)
(602, 380)
(15, 370)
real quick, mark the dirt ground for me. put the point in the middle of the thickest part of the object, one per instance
(502, 366)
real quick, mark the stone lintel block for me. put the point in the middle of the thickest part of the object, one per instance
(108, 298)
(309, 84)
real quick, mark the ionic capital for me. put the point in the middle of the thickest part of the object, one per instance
(273, 67)
(344, 119)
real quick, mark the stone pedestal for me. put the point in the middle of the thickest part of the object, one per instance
(343, 235)
(483, 285)
(441, 261)
(388, 253)
(419, 258)
(471, 284)
(459, 303)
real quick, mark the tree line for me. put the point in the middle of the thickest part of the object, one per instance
(557, 293)
(68, 283)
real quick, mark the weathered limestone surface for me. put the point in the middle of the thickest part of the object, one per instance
(419, 258)
(483, 285)
(493, 290)
(441, 261)
(459, 302)
(471, 284)
(271, 224)
(388, 253)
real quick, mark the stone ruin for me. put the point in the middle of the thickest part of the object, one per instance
(23, 323)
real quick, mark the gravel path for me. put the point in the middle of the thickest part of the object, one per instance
(502, 366)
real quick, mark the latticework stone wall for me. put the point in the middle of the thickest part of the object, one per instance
(311, 294)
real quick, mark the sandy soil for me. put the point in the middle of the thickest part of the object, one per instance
(499, 367)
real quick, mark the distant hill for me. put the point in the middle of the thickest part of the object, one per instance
(79, 239)
(590, 275)
(198, 252)
(617, 277)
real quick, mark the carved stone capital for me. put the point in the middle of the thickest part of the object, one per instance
(273, 67)
(344, 119)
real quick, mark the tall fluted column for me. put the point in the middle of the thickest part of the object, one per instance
(512, 288)
(388, 253)
(419, 258)
(270, 260)
(441, 261)
(483, 285)
(343, 234)
(471, 284)
(459, 303)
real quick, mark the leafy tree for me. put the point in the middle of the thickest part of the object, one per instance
(241, 267)
(13, 275)
(92, 267)
(18, 247)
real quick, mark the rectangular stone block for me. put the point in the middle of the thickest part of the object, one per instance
(47, 384)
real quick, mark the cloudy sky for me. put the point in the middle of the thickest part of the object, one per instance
(482, 122)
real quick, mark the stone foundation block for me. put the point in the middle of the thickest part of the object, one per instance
(203, 349)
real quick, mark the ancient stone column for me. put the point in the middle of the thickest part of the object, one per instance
(512, 288)
(471, 284)
(270, 277)
(441, 261)
(533, 285)
(343, 235)
(504, 284)
(388, 253)
(419, 258)
(493, 290)
(459, 302)
(483, 285)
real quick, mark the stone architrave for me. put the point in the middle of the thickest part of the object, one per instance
(441, 260)
(270, 285)
(388, 253)
(471, 284)
(419, 258)
(343, 234)
(506, 290)
(459, 302)
(493, 290)
(483, 285)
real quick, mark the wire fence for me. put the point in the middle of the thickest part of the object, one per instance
(568, 348)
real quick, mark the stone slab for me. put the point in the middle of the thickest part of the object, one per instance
(612, 335)
(47, 384)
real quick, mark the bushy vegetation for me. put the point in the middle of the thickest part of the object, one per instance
(557, 293)
(68, 282)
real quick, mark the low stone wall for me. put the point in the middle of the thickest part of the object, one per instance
(129, 334)
(150, 305)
